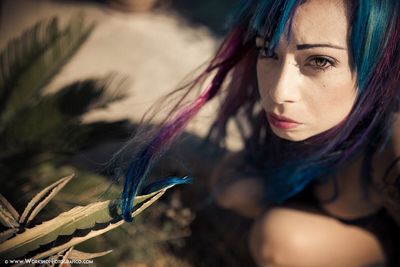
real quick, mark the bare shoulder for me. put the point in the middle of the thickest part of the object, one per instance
(386, 176)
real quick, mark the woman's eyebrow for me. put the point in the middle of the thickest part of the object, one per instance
(309, 46)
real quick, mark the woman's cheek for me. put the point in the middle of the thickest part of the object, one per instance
(334, 104)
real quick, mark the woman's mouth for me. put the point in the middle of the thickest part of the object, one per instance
(282, 122)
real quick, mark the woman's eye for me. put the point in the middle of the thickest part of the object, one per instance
(321, 63)
(263, 53)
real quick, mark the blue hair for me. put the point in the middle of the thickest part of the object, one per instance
(371, 27)
(375, 52)
(371, 41)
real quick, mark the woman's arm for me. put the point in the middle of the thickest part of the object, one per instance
(233, 189)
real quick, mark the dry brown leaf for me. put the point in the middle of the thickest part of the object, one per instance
(66, 256)
(7, 234)
(76, 240)
(39, 201)
(7, 205)
(65, 224)
(80, 255)
(7, 219)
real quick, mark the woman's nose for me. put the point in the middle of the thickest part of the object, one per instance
(284, 87)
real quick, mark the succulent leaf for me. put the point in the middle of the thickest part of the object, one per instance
(79, 255)
(71, 228)
(6, 219)
(7, 234)
(47, 56)
(7, 206)
(39, 201)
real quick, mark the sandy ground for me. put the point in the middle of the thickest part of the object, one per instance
(155, 50)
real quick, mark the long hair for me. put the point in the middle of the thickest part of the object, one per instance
(375, 54)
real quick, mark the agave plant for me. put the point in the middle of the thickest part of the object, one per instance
(57, 237)
(33, 122)
(39, 130)
(38, 127)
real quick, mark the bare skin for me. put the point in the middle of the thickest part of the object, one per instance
(298, 235)
(318, 94)
(280, 234)
(308, 79)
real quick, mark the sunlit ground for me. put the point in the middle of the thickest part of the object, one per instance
(154, 51)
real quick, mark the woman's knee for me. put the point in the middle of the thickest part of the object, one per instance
(272, 242)
(290, 237)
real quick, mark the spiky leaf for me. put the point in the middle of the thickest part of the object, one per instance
(62, 129)
(20, 89)
(39, 201)
(7, 234)
(8, 215)
(79, 255)
(6, 219)
(71, 228)
(20, 52)
(7, 205)
(65, 255)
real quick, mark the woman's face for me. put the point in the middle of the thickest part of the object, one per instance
(307, 86)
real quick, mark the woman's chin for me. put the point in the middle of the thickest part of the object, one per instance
(294, 136)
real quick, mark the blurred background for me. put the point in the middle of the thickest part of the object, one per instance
(76, 78)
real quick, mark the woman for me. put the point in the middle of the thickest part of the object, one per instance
(316, 86)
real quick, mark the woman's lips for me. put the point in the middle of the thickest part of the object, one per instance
(282, 122)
